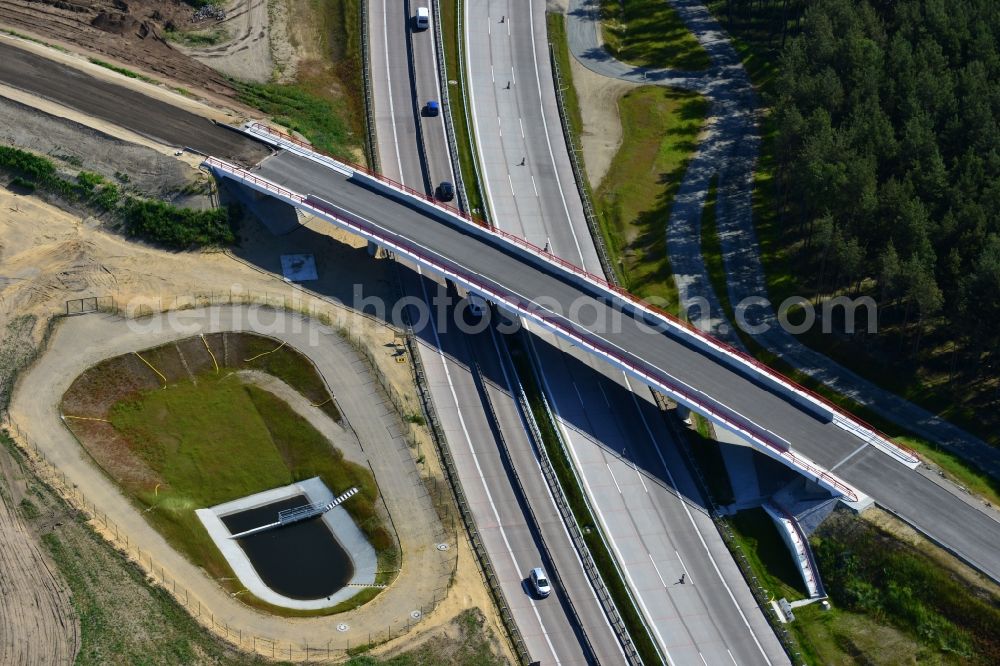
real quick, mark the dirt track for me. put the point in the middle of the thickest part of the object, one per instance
(123, 106)
(125, 32)
(37, 622)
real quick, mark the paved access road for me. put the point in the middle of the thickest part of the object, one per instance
(123, 106)
(425, 570)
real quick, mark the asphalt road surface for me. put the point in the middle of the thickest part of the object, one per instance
(403, 80)
(965, 528)
(653, 530)
(123, 106)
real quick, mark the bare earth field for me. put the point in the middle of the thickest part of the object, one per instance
(130, 33)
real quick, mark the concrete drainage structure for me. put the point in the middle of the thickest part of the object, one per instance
(337, 520)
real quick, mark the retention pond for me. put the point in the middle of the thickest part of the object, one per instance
(303, 560)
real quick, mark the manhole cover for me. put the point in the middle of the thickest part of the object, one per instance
(343, 627)
(442, 546)
(415, 614)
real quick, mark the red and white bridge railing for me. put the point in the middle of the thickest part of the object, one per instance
(725, 416)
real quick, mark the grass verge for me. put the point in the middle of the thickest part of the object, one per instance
(123, 71)
(578, 504)
(650, 33)
(459, 102)
(149, 219)
(660, 127)
(123, 619)
(190, 436)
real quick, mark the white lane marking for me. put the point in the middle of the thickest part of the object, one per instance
(511, 183)
(600, 514)
(492, 78)
(657, 570)
(687, 576)
(535, 187)
(479, 469)
(500, 125)
(703, 659)
(513, 79)
(388, 79)
(489, 25)
(849, 456)
(614, 479)
(701, 538)
(548, 141)
(472, 108)
(548, 491)
(443, 126)
(641, 480)
(579, 396)
(607, 402)
(521, 123)
(732, 657)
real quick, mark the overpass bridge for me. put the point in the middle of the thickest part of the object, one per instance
(772, 413)
(653, 346)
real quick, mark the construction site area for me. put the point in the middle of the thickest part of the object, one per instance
(119, 425)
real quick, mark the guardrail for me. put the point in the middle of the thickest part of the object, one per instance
(519, 487)
(449, 128)
(576, 534)
(695, 399)
(468, 519)
(760, 595)
(578, 172)
(722, 350)
(372, 151)
(463, 86)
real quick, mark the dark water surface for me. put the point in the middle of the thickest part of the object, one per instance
(300, 561)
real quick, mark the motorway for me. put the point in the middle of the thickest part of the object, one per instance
(545, 291)
(962, 527)
(413, 150)
(618, 439)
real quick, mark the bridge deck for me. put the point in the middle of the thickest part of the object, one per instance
(491, 262)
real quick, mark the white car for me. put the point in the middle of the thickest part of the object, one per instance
(422, 20)
(540, 582)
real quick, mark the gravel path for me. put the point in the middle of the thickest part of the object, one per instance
(425, 570)
(729, 149)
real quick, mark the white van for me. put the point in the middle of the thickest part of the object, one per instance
(422, 20)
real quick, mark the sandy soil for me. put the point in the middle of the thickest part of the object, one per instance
(58, 256)
(246, 54)
(37, 622)
(602, 125)
(130, 33)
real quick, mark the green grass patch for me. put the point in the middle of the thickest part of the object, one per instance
(660, 129)
(197, 37)
(581, 511)
(459, 103)
(869, 572)
(556, 25)
(767, 553)
(219, 440)
(650, 33)
(123, 71)
(273, 358)
(321, 120)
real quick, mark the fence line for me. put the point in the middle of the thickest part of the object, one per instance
(245, 640)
